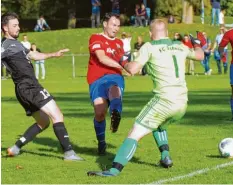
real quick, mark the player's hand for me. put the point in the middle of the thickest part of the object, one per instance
(123, 60)
(195, 42)
(61, 52)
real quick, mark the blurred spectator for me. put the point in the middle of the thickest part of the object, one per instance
(72, 22)
(217, 56)
(41, 24)
(116, 6)
(25, 42)
(5, 74)
(178, 36)
(215, 11)
(38, 63)
(221, 17)
(126, 39)
(207, 52)
(95, 17)
(137, 46)
(190, 63)
(141, 15)
(137, 15)
(148, 14)
(171, 19)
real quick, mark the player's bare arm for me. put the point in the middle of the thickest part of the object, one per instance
(107, 60)
(133, 67)
(43, 56)
(199, 54)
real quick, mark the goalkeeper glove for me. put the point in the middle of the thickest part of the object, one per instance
(195, 42)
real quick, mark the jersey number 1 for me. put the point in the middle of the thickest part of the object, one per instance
(176, 66)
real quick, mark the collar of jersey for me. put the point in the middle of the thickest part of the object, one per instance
(162, 38)
(107, 36)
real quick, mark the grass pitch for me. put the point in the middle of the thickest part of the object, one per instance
(193, 141)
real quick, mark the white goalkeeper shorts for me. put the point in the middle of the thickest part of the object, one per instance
(159, 111)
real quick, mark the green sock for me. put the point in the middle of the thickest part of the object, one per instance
(124, 154)
(160, 137)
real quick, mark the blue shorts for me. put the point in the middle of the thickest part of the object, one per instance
(231, 74)
(100, 87)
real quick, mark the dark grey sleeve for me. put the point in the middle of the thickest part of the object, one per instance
(27, 50)
(3, 53)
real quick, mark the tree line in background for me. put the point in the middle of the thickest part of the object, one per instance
(62, 9)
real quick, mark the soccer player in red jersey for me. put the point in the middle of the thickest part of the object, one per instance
(106, 83)
(228, 38)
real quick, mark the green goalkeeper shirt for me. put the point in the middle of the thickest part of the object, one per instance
(165, 63)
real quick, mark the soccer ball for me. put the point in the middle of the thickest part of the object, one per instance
(226, 147)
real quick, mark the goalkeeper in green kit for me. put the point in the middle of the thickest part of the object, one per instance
(165, 63)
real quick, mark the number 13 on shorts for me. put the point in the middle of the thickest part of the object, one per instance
(45, 93)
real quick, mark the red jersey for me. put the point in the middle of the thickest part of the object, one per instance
(189, 44)
(228, 37)
(110, 46)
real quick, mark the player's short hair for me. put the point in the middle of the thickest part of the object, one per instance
(108, 16)
(7, 17)
(157, 21)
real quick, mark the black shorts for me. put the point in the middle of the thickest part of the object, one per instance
(32, 96)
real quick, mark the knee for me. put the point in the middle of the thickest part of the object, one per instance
(114, 92)
(44, 123)
(99, 116)
(58, 118)
(46, 126)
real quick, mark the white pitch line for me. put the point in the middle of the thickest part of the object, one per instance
(198, 172)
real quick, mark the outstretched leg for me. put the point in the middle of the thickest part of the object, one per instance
(42, 122)
(53, 111)
(125, 152)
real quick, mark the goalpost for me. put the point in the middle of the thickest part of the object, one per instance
(73, 61)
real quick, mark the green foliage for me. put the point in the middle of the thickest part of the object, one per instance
(174, 7)
(197, 7)
(228, 5)
(29, 8)
(32, 8)
(49, 8)
(167, 7)
(12, 6)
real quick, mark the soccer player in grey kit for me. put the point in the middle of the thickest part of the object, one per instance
(36, 100)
